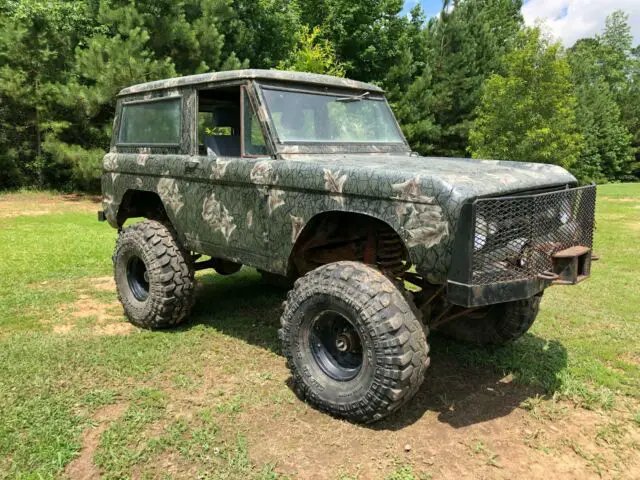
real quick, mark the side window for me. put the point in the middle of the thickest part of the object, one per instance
(151, 122)
(253, 139)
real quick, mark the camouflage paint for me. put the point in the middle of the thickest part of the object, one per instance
(252, 210)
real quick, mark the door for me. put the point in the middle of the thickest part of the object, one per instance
(226, 210)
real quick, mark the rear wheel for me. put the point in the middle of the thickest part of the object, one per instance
(154, 275)
(495, 325)
(352, 341)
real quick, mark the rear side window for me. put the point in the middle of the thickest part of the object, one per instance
(151, 123)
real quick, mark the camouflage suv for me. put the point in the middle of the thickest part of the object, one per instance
(308, 178)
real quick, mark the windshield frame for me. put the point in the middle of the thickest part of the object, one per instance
(313, 146)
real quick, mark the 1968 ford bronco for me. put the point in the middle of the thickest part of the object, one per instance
(308, 178)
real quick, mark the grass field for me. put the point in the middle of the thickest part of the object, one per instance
(83, 394)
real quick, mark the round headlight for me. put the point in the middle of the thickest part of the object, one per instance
(483, 230)
(564, 217)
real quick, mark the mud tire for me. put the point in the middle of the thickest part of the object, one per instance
(169, 273)
(393, 341)
(503, 323)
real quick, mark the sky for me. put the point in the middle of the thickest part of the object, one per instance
(567, 20)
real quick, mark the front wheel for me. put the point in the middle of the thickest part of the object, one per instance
(495, 325)
(154, 275)
(354, 346)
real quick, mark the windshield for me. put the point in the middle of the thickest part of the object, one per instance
(328, 118)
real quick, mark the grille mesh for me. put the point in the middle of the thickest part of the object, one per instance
(515, 237)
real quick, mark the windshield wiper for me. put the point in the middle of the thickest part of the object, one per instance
(355, 98)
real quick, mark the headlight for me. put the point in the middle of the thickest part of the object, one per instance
(564, 218)
(483, 230)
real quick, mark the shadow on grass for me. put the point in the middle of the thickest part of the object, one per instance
(464, 384)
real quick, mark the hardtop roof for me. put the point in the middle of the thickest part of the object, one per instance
(230, 75)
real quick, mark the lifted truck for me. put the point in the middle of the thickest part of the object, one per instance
(309, 178)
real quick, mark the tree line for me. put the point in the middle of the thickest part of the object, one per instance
(471, 81)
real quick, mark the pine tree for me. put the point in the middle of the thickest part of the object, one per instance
(36, 54)
(621, 67)
(606, 150)
(139, 42)
(464, 46)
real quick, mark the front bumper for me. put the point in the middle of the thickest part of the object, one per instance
(510, 248)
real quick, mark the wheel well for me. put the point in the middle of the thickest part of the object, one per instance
(332, 236)
(140, 203)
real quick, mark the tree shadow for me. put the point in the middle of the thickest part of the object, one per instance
(465, 384)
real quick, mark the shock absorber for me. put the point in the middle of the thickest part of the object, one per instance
(390, 253)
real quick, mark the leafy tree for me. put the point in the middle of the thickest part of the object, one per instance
(366, 34)
(528, 110)
(263, 32)
(312, 54)
(606, 152)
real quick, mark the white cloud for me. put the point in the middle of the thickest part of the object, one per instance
(570, 20)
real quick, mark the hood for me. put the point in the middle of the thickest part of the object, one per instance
(460, 178)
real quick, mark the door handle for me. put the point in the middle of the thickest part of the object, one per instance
(191, 165)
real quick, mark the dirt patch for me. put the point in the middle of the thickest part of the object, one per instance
(103, 284)
(449, 431)
(63, 329)
(621, 199)
(108, 316)
(513, 446)
(465, 423)
(630, 357)
(82, 467)
(34, 204)
(87, 306)
(123, 328)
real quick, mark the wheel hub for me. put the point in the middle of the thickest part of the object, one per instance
(335, 346)
(345, 341)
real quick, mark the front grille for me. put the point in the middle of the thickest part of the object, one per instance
(515, 237)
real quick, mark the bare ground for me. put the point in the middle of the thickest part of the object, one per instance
(108, 316)
(33, 204)
(468, 424)
(82, 467)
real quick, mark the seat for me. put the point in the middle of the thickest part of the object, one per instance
(225, 145)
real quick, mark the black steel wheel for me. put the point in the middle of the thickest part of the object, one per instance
(335, 345)
(138, 278)
(352, 341)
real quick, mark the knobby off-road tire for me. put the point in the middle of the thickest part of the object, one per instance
(393, 343)
(154, 275)
(502, 323)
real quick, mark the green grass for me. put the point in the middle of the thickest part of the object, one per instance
(185, 393)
